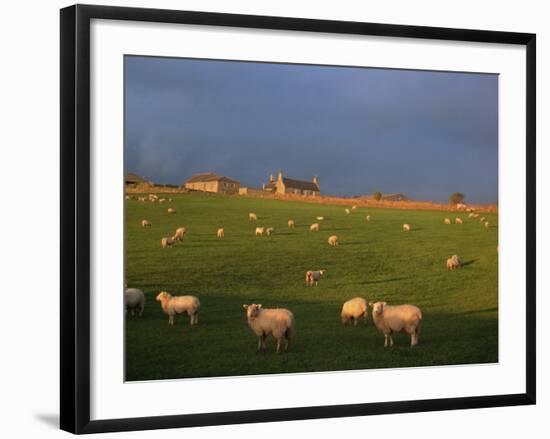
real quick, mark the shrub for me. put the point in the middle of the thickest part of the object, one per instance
(377, 195)
(456, 198)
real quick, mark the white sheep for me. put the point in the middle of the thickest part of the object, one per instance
(367, 217)
(400, 318)
(454, 262)
(145, 223)
(314, 227)
(162, 200)
(173, 305)
(320, 218)
(471, 215)
(333, 240)
(353, 310)
(353, 207)
(347, 211)
(260, 231)
(447, 221)
(167, 242)
(134, 300)
(406, 227)
(171, 210)
(291, 224)
(458, 221)
(278, 322)
(127, 197)
(313, 277)
(486, 224)
(482, 219)
(269, 231)
(180, 233)
(141, 199)
(220, 233)
(252, 216)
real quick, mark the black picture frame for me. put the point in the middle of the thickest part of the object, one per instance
(75, 217)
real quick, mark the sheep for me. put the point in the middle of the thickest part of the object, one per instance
(320, 218)
(145, 223)
(353, 207)
(260, 231)
(406, 227)
(313, 277)
(482, 219)
(291, 224)
(171, 210)
(458, 221)
(348, 211)
(220, 233)
(269, 231)
(252, 216)
(367, 217)
(400, 318)
(454, 262)
(134, 300)
(180, 233)
(447, 221)
(167, 242)
(169, 200)
(333, 240)
(471, 215)
(173, 305)
(141, 199)
(314, 227)
(278, 322)
(162, 200)
(353, 310)
(127, 197)
(486, 224)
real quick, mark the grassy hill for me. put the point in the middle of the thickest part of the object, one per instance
(375, 260)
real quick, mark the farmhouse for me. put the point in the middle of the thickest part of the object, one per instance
(394, 197)
(133, 181)
(285, 185)
(210, 182)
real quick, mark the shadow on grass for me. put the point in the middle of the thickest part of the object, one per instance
(383, 281)
(470, 262)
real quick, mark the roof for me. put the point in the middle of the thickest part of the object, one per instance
(134, 178)
(300, 184)
(394, 197)
(210, 176)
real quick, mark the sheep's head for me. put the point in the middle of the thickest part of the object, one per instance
(252, 310)
(377, 307)
(322, 272)
(163, 295)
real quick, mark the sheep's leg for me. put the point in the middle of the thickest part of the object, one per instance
(260, 343)
(278, 344)
(287, 344)
(391, 341)
(355, 321)
(171, 319)
(385, 340)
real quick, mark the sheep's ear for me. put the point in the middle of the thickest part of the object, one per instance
(245, 306)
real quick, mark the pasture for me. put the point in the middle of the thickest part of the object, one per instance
(375, 260)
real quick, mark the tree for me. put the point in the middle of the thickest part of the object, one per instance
(377, 195)
(456, 198)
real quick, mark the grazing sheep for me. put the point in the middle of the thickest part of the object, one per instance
(145, 223)
(162, 200)
(314, 227)
(171, 210)
(447, 221)
(141, 199)
(400, 318)
(269, 231)
(406, 227)
(471, 215)
(482, 219)
(290, 224)
(348, 211)
(220, 233)
(252, 216)
(173, 305)
(454, 262)
(167, 242)
(278, 322)
(460, 206)
(260, 231)
(353, 207)
(458, 221)
(333, 240)
(180, 233)
(367, 217)
(134, 300)
(353, 310)
(313, 277)
(486, 224)
(127, 197)
(169, 200)
(320, 218)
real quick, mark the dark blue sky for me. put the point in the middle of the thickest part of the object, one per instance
(425, 134)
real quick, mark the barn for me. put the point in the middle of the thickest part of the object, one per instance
(211, 182)
(134, 181)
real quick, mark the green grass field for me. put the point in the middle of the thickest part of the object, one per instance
(375, 260)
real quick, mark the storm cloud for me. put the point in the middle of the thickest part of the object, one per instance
(425, 134)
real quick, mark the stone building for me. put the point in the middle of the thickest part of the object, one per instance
(210, 182)
(285, 185)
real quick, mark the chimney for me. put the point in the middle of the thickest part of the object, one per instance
(316, 180)
(280, 177)
(271, 178)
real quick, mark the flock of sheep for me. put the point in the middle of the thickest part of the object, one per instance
(279, 323)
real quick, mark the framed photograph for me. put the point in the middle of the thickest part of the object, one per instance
(268, 219)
